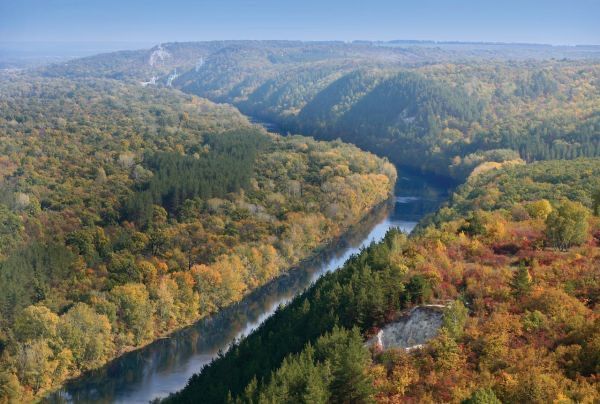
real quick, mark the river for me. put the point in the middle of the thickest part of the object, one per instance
(165, 365)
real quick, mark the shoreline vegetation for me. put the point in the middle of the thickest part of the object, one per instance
(129, 206)
(520, 270)
(329, 246)
(129, 212)
(445, 110)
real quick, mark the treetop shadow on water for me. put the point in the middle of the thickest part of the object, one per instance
(165, 365)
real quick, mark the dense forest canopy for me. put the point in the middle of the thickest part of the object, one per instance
(443, 108)
(130, 207)
(128, 212)
(522, 324)
(225, 166)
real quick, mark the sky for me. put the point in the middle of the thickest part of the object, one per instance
(145, 21)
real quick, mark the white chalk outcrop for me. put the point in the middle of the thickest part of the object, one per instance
(412, 330)
(158, 55)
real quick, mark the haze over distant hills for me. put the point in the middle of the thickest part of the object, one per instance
(454, 105)
(16, 54)
(19, 55)
(138, 196)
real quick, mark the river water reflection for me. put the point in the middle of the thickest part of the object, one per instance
(165, 366)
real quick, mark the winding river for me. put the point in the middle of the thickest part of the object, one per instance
(165, 365)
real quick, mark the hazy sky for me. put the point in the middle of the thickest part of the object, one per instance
(540, 21)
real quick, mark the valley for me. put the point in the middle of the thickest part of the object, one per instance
(231, 221)
(129, 213)
(165, 366)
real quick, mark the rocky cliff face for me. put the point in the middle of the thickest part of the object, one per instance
(412, 330)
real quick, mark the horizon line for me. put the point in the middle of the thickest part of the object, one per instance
(407, 41)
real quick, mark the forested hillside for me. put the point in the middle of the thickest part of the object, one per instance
(130, 207)
(520, 269)
(447, 119)
(128, 212)
(442, 108)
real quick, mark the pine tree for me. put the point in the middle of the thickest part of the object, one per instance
(351, 383)
(521, 282)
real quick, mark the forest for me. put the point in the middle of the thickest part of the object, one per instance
(452, 117)
(443, 109)
(128, 212)
(522, 326)
(136, 198)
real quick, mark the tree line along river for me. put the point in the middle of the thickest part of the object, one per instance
(165, 365)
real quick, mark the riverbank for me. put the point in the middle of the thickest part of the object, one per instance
(214, 332)
(164, 366)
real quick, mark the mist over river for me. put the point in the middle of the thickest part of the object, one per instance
(166, 365)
